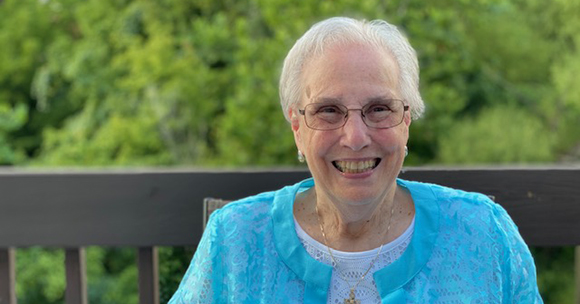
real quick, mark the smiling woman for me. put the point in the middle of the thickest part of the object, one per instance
(354, 232)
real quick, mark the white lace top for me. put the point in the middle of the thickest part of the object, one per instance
(352, 265)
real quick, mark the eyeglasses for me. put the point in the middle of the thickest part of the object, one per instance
(378, 115)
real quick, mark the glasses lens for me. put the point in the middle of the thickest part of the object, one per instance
(384, 114)
(325, 116)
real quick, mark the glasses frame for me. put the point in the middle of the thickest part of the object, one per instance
(303, 113)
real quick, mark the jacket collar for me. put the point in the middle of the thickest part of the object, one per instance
(317, 275)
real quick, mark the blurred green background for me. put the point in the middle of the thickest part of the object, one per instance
(146, 83)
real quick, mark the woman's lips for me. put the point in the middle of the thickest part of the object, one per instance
(360, 166)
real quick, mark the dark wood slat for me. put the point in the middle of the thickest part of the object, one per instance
(7, 276)
(148, 264)
(119, 209)
(210, 205)
(166, 208)
(76, 276)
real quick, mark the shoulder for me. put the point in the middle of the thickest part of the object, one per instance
(476, 235)
(246, 209)
(253, 210)
(446, 196)
(459, 208)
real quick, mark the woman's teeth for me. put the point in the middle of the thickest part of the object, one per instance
(355, 166)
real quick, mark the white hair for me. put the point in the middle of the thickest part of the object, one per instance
(339, 30)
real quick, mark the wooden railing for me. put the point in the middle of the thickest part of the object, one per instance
(145, 209)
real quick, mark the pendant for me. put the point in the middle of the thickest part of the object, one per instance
(351, 299)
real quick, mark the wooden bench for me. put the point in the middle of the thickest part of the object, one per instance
(149, 208)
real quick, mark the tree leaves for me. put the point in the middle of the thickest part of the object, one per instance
(200, 77)
(502, 134)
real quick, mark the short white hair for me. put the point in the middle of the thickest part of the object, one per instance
(340, 30)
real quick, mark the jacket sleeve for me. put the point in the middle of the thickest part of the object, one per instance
(202, 281)
(518, 269)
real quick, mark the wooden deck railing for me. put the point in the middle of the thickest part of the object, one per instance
(145, 209)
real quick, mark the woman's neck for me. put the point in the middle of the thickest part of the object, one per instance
(354, 227)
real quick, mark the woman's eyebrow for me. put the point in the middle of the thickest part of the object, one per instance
(383, 98)
(337, 100)
(328, 100)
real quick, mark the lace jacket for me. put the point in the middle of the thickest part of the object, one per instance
(465, 249)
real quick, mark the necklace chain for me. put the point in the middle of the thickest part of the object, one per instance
(351, 298)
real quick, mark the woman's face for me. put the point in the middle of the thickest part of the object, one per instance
(352, 75)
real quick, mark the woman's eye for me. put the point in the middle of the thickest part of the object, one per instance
(378, 108)
(328, 110)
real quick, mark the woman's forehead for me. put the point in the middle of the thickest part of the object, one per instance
(350, 69)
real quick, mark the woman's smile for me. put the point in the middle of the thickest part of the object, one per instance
(356, 166)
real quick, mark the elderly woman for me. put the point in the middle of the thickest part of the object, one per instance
(355, 233)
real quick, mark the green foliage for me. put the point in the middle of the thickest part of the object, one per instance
(112, 275)
(195, 82)
(119, 141)
(497, 135)
(10, 119)
(40, 276)
(173, 262)
(556, 274)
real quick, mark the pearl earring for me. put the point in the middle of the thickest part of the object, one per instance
(301, 157)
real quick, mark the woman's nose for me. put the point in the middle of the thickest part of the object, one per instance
(355, 132)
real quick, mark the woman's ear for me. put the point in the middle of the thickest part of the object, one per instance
(407, 118)
(295, 124)
(293, 120)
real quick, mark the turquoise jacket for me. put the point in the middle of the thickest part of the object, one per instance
(465, 249)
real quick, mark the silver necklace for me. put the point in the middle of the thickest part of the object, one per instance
(352, 299)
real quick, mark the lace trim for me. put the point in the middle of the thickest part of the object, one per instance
(352, 265)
